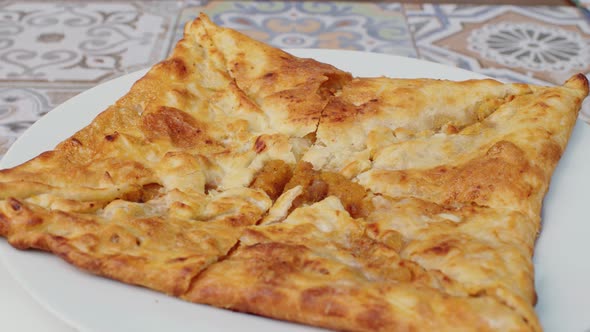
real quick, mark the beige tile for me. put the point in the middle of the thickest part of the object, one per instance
(82, 42)
(533, 53)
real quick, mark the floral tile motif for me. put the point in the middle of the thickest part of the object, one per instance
(530, 46)
(337, 25)
(526, 44)
(79, 42)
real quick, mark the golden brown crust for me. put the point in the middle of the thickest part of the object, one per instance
(504, 161)
(318, 267)
(374, 114)
(291, 91)
(237, 175)
(148, 168)
(132, 242)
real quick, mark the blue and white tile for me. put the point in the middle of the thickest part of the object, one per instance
(527, 44)
(338, 25)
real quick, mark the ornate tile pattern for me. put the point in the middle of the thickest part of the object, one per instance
(79, 42)
(21, 107)
(338, 25)
(51, 51)
(542, 45)
(527, 44)
(531, 46)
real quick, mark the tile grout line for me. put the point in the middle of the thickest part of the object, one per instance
(412, 38)
(174, 25)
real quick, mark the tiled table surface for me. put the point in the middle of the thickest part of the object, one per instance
(50, 52)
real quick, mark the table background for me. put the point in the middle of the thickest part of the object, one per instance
(50, 52)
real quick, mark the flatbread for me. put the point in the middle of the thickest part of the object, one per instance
(237, 175)
(155, 189)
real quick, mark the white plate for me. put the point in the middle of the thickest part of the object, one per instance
(96, 304)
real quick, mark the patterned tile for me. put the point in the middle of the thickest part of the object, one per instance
(49, 52)
(530, 44)
(338, 25)
(21, 107)
(542, 45)
(81, 42)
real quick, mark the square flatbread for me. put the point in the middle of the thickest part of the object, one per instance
(237, 175)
